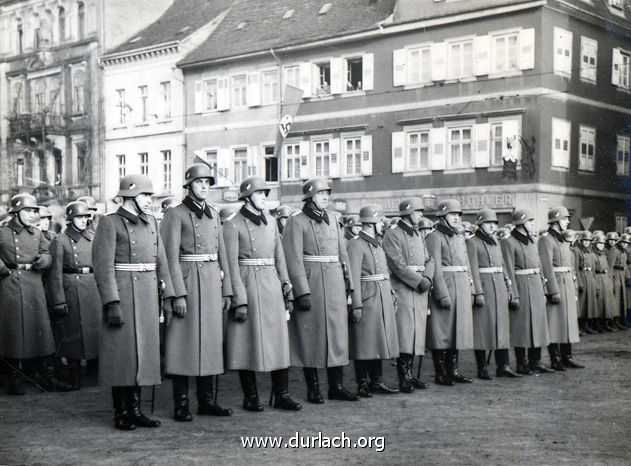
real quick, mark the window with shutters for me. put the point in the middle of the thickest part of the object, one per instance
(122, 106)
(419, 65)
(621, 68)
(352, 155)
(460, 59)
(561, 132)
(623, 156)
(144, 163)
(354, 74)
(417, 150)
(120, 159)
(497, 144)
(459, 147)
(240, 164)
(322, 158)
(165, 99)
(210, 95)
(323, 78)
(562, 52)
(505, 52)
(143, 95)
(292, 157)
(167, 171)
(292, 75)
(238, 90)
(589, 59)
(269, 86)
(587, 146)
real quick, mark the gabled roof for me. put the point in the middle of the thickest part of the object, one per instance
(601, 8)
(257, 25)
(180, 20)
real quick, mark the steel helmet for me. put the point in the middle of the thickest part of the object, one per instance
(167, 202)
(425, 224)
(197, 171)
(250, 185)
(503, 233)
(314, 185)
(625, 238)
(133, 185)
(598, 232)
(90, 201)
(521, 216)
(485, 215)
(613, 235)
(586, 236)
(44, 212)
(557, 213)
(407, 206)
(351, 221)
(569, 235)
(598, 237)
(23, 201)
(77, 209)
(283, 211)
(369, 214)
(226, 212)
(448, 206)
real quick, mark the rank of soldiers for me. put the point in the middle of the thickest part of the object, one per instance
(205, 291)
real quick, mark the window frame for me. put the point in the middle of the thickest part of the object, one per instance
(167, 170)
(581, 166)
(406, 148)
(344, 154)
(122, 107)
(325, 156)
(165, 100)
(586, 70)
(275, 86)
(559, 63)
(461, 126)
(461, 41)
(294, 157)
(143, 163)
(143, 97)
(554, 152)
(626, 155)
(243, 101)
(121, 165)
(408, 58)
(241, 160)
(493, 36)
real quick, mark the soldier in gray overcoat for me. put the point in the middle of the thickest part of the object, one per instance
(491, 328)
(585, 264)
(194, 342)
(411, 274)
(316, 257)
(527, 302)
(129, 263)
(561, 306)
(93, 222)
(606, 306)
(450, 326)
(617, 258)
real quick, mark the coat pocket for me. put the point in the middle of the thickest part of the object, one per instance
(369, 290)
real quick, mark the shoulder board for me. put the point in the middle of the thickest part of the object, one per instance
(294, 214)
(231, 216)
(212, 207)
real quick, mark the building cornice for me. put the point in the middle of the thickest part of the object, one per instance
(591, 17)
(144, 53)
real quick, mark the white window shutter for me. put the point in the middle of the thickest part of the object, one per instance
(527, 49)
(338, 75)
(511, 146)
(305, 79)
(315, 79)
(399, 67)
(438, 160)
(366, 148)
(439, 61)
(199, 97)
(398, 145)
(223, 166)
(616, 63)
(253, 89)
(368, 67)
(334, 154)
(482, 49)
(305, 160)
(482, 134)
(223, 94)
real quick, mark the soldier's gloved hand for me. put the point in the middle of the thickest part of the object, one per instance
(240, 313)
(356, 315)
(304, 302)
(114, 314)
(60, 310)
(179, 306)
(478, 300)
(424, 285)
(39, 262)
(627, 281)
(445, 302)
(554, 298)
(227, 302)
(514, 304)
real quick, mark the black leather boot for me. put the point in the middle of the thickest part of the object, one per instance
(280, 391)
(133, 406)
(250, 393)
(405, 382)
(337, 391)
(555, 358)
(122, 418)
(416, 381)
(74, 373)
(503, 368)
(181, 411)
(566, 357)
(314, 395)
(442, 376)
(375, 370)
(14, 383)
(480, 359)
(607, 324)
(361, 376)
(45, 376)
(206, 403)
(522, 363)
(452, 367)
(534, 361)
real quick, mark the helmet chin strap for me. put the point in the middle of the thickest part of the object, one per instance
(249, 201)
(19, 217)
(192, 193)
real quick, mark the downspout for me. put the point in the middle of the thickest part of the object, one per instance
(280, 115)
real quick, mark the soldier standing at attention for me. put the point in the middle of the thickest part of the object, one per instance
(611, 240)
(72, 291)
(373, 331)
(351, 229)
(282, 214)
(606, 306)
(257, 335)
(93, 222)
(318, 331)
(617, 258)
(528, 321)
(194, 246)
(450, 322)
(491, 325)
(129, 262)
(561, 307)
(411, 274)
(585, 266)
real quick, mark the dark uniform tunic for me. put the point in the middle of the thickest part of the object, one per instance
(585, 261)
(617, 259)
(605, 303)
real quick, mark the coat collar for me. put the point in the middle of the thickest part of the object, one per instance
(257, 219)
(131, 217)
(409, 229)
(556, 235)
(349, 235)
(76, 235)
(521, 237)
(196, 208)
(445, 229)
(49, 235)
(486, 238)
(619, 247)
(370, 239)
(18, 227)
(310, 212)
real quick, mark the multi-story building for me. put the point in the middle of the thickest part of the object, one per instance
(144, 97)
(50, 93)
(498, 103)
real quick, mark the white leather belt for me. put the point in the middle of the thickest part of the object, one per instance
(324, 259)
(416, 268)
(455, 268)
(375, 278)
(491, 269)
(140, 267)
(526, 272)
(586, 269)
(199, 257)
(563, 269)
(263, 261)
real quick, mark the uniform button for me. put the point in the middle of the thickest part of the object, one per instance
(133, 254)
(254, 249)
(196, 225)
(133, 242)
(135, 278)
(17, 247)
(131, 231)
(199, 245)
(324, 267)
(197, 235)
